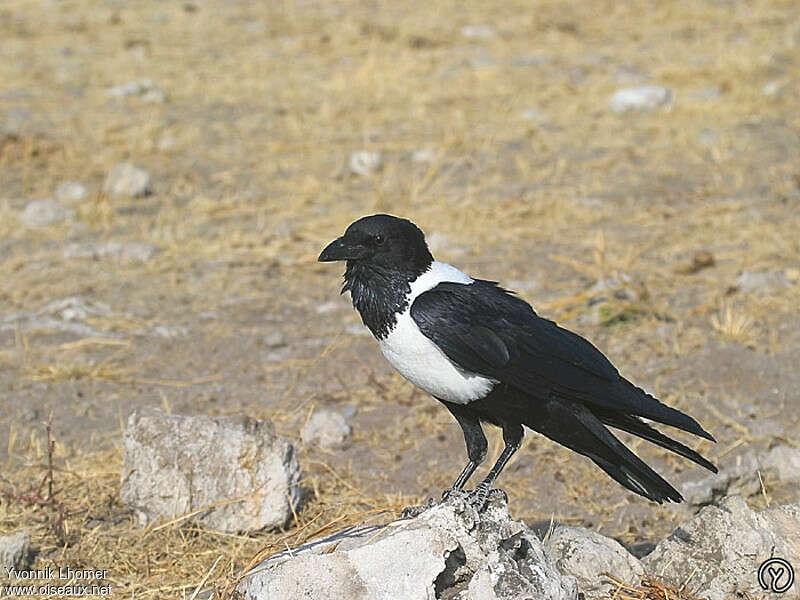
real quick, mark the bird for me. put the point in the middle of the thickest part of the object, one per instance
(489, 358)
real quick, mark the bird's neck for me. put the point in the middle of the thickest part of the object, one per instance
(379, 294)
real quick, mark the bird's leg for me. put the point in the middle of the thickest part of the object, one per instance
(476, 450)
(512, 436)
(476, 445)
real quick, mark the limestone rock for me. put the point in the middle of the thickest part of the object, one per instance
(71, 192)
(326, 428)
(365, 163)
(643, 98)
(449, 551)
(127, 180)
(784, 461)
(15, 551)
(740, 479)
(717, 554)
(590, 557)
(245, 474)
(45, 213)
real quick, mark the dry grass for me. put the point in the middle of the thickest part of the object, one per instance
(81, 522)
(650, 589)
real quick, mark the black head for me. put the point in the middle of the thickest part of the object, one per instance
(382, 242)
(384, 254)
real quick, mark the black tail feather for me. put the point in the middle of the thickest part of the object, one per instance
(653, 488)
(653, 409)
(638, 427)
(576, 427)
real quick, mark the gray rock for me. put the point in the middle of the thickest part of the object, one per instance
(276, 339)
(365, 163)
(449, 551)
(71, 192)
(717, 554)
(236, 466)
(125, 252)
(643, 98)
(74, 308)
(15, 551)
(128, 180)
(478, 32)
(739, 479)
(424, 155)
(326, 428)
(144, 89)
(761, 283)
(590, 557)
(784, 461)
(45, 213)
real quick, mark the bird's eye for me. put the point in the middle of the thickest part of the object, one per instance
(378, 240)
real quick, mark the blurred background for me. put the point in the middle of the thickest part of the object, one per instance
(169, 171)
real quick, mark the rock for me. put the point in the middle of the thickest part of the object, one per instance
(144, 89)
(15, 551)
(125, 252)
(478, 32)
(590, 557)
(71, 192)
(761, 283)
(646, 97)
(365, 163)
(739, 479)
(773, 88)
(128, 180)
(784, 461)
(175, 464)
(74, 308)
(326, 428)
(717, 554)
(449, 551)
(424, 155)
(276, 339)
(45, 213)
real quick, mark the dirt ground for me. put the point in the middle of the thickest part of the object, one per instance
(497, 140)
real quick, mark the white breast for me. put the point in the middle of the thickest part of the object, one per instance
(419, 360)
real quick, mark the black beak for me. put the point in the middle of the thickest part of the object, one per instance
(339, 249)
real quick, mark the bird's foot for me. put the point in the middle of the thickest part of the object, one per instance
(409, 512)
(481, 495)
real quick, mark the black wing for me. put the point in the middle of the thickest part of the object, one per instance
(487, 330)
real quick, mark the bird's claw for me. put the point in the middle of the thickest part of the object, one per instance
(477, 497)
(409, 512)
(482, 493)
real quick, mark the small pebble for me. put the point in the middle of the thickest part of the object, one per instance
(326, 428)
(364, 162)
(478, 32)
(126, 179)
(71, 192)
(647, 97)
(45, 213)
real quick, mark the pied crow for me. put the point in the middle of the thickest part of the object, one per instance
(489, 358)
